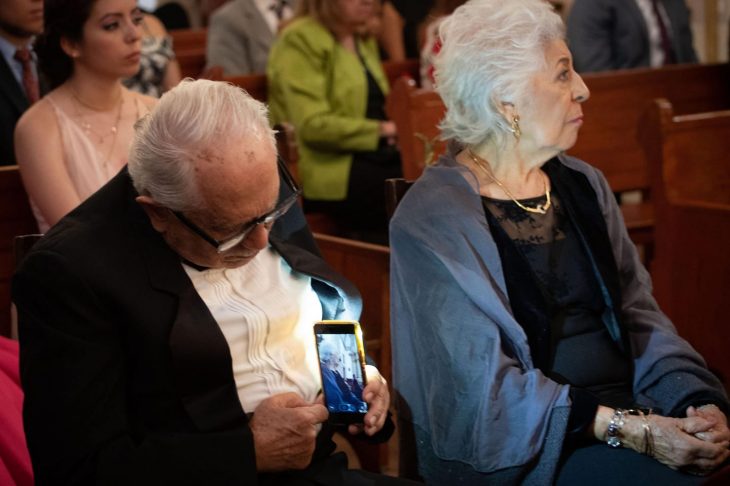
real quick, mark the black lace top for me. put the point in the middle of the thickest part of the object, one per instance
(577, 347)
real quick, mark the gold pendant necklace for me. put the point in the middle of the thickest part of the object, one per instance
(483, 165)
(88, 127)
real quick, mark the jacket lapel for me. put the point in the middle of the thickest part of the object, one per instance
(199, 353)
(340, 299)
(10, 88)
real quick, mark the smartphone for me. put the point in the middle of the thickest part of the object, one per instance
(342, 369)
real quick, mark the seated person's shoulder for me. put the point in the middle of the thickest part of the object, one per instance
(39, 120)
(154, 27)
(146, 102)
(306, 34)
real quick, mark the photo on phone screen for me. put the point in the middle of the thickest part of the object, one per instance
(341, 364)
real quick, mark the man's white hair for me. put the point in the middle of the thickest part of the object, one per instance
(490, 50)
(327, 350)
(189, 120)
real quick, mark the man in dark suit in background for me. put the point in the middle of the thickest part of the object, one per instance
(166, 323)
(605, 35)
(20, 21)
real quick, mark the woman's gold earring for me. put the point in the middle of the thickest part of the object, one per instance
(515, 127)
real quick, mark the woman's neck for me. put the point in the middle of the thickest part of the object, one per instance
(97, 92)
(508, 164)
(520, 174)
(345, 35)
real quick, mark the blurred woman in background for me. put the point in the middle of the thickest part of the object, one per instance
(158, 69)
(326, 79)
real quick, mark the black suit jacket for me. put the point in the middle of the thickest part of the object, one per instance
(13, 103)
(127, 376)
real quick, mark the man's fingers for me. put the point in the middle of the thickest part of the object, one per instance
(315, 414)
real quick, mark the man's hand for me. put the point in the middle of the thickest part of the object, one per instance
(284, 430)
(377, 396)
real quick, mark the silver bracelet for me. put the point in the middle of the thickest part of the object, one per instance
(613, 431)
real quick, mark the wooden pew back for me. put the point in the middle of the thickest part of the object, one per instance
(189, 46)
(16, 219)
(688, 160)
(608, 138)
(394, 70)
(368, 267)
(254, 84)
(417, 113)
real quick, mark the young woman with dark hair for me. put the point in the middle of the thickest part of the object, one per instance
(76, 138)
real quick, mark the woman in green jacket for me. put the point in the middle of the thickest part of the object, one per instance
(325, 78)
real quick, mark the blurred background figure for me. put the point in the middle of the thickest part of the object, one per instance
(430, 44)
(401, 21)
(158, 69)
(241, 33)
(20, 21)
(326, 79)
(621, 34)
(15, 464)
(86, 122)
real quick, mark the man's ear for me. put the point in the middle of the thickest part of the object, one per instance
(159, 216)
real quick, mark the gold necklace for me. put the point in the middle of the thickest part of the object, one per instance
(483, 164)
(87, 127)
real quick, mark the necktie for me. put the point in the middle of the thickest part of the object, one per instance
(666, 42)
(30, 83)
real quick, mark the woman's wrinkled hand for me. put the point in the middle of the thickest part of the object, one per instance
(676, 444)
(719, 434)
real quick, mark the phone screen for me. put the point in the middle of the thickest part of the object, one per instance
(342, 369)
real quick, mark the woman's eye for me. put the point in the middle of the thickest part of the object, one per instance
(137, 20)
(564, 75)
(110, 26)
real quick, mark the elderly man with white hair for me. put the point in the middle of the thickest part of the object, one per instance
(166, 323)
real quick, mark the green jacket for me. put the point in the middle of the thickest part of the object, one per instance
(320, 87)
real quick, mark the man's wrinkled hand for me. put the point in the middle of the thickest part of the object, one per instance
(377, 396)
(284, 431)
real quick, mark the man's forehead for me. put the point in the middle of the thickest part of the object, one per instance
(238, 177)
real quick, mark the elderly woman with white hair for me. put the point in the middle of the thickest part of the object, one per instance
(527, 346)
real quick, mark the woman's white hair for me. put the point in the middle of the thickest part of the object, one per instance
(187, 121)
(490, 50)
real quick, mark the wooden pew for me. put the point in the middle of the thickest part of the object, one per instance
(254, 84)
(408, 68)
(368, 267)
(189, 39)
(16, 219)
(190, 50)
(690, 181)
(608, 138)
(417, 113)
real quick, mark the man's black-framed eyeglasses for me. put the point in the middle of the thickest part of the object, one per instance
(267, 220)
